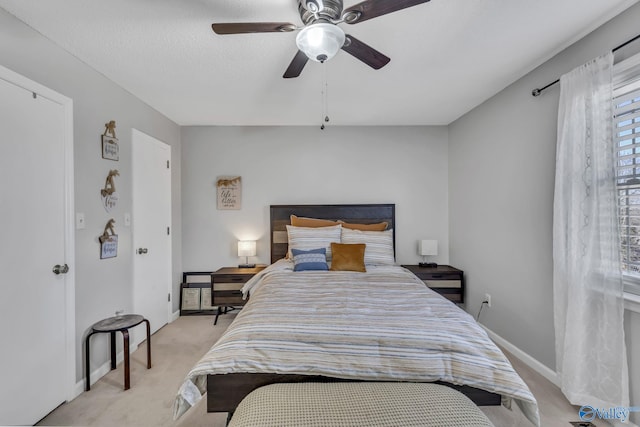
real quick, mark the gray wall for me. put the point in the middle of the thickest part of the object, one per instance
(501, 179)
(287, 165)
(102, 286)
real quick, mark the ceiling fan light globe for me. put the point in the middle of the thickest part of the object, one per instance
(320, 41)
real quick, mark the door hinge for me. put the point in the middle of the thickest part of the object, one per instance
(167, 164)
(168, 231)
(169, 297)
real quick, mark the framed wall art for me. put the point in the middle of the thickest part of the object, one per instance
(229, 192)
(205, 299)
(190, 299)
(108, 193)
(109, 248)
(108, 241)
(110, 148)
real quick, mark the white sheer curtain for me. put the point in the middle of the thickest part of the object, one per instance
(587, 280)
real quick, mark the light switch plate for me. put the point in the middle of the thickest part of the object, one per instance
(80, 222)
(127, 219)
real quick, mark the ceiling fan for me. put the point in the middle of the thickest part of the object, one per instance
(320, 38)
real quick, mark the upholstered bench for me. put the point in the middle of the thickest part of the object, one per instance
(350, 404)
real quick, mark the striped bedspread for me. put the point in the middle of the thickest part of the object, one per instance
(383, 325)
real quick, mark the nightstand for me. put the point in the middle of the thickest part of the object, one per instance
(226, 285)
(444, 279)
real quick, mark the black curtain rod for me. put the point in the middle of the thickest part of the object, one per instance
(537, 92)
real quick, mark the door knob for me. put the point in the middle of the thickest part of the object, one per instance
(142, 251)
(60, 269)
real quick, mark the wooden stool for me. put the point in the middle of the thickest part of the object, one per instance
(112, 325)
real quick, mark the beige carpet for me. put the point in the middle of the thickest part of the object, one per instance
(176, 348)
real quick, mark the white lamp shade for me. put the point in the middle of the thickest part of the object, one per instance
(320, 41)
(246, 247)
(427, 247)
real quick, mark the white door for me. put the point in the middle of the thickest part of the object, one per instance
(151, 229)
(36, 306)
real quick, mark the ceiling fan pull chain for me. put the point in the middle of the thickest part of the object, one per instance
(326, 93)
(325, 100)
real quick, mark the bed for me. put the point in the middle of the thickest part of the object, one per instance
(321, 326)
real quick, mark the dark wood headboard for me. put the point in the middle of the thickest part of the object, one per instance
(362, 214)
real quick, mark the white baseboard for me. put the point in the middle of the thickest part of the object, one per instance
(540, 368)
(104, 369)
(100, 372)
(528, 360)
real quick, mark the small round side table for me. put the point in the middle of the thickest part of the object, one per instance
(112, 325)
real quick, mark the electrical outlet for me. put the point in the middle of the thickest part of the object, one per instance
(487, 298)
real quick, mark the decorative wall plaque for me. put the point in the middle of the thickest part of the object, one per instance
(229, 192)
(110, 149)
(108, 241)
(108, 193)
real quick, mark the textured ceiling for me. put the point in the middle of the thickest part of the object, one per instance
(447, 56)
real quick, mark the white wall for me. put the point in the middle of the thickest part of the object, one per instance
(102, 286)
(502, 165)
(296, 165)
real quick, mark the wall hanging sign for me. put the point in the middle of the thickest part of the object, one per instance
(110, 150)
(108, 241)
(229, 192)
(108, 193)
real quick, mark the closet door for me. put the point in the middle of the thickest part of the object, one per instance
(150, 160)
(33, 302)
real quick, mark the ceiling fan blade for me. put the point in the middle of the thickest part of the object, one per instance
(296, 66)
(364, 52)
(372, 8)
(253, 27)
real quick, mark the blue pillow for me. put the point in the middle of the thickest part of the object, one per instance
(314, 259)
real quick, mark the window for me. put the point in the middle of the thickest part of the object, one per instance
(626, 110)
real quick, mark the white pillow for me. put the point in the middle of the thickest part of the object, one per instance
(379, 249)
(307, 238)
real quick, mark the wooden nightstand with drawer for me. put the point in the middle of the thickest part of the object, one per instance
(226, 285)
(444, 279)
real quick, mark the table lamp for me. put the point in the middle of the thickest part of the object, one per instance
(246, 248)
(427, 248)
